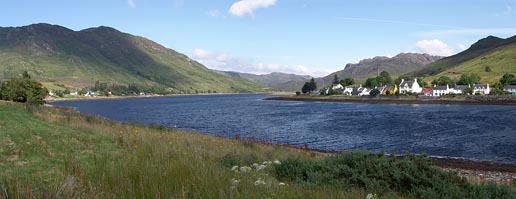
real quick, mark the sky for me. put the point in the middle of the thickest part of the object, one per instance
(308, 37)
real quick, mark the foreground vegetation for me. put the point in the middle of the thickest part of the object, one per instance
(59, 153)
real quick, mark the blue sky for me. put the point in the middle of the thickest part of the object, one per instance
(312, 37)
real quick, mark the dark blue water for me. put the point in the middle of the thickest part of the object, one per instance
(477, 132)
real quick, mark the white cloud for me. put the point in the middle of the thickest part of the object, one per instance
(213, 13)
(225, 62)
(462, 47)
(131, 3)
(434, 47)
(247, 7)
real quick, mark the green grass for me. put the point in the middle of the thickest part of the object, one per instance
(501, 61)
(58, 153)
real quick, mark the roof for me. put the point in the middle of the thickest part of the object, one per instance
(407, 83)
(427, 90)
(389, 88)
(509, 87)
(480, 86)
(441, 88)
(461, 87)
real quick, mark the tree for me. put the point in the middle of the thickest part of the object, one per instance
(387, 79)
(347, 81)
(312, 85)
(443, 80)
(488, 69)
(335, 79)
(374, 82)
(468, 90)
(23, 89)
(306, 88)
(507, 79)
(375, 92)
(470, 79)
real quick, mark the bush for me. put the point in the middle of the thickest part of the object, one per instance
(23, 89)
(411, 175)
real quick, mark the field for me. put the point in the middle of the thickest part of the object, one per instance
(49, 152)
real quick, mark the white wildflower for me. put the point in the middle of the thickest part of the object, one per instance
(234, 182)
(371, 196)
(245, 169)
(277, 162)
(255, 165)
(265, 162)
(261, 167)
(282, 184)
(234, 168)
(259, 182)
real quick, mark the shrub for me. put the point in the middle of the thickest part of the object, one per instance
(23, 89)
(411, 175)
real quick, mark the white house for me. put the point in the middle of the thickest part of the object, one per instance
(74, 93)
(347, 91)
(410, 87)
(459, 89)
(337, 86)
(510, 88)
(441, 90)
(363, 91)
(482, 89)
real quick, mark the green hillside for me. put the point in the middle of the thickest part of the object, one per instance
(493, 52)
(500, 61)
(59, 57)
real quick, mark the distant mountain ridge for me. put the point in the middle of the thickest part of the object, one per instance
(60, 57)
(490, 58)
(271, 78)
(397, 65)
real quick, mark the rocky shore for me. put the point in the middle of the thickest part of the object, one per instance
(478, 100)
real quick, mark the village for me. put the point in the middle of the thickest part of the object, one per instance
(412, 87)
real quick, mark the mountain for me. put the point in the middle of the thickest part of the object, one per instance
(398, 65)
(493, 52)
(61, 57)
(271, 78)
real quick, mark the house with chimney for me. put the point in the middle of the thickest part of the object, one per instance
(409, 86)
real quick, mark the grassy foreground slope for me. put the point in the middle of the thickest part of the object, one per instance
(51, 153)
(59, 153)
(60, 57)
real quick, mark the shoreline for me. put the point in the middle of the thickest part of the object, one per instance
(50, 100)
(474, 100)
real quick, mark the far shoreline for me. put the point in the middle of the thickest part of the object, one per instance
(469, 100)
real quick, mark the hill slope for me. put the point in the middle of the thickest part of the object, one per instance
(271, 78)
(492, 51)
(398, 65)
(59, 56)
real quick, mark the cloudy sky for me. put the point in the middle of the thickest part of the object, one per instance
(313, 37)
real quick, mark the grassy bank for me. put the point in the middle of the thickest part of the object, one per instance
(58, 153)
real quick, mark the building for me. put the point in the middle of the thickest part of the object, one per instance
(428, 92)
(441, 90)
(410, 87)
(510, 88)
(482, 89)
(391, 89)
(347, 91)
(459, 89)
(337, 86)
